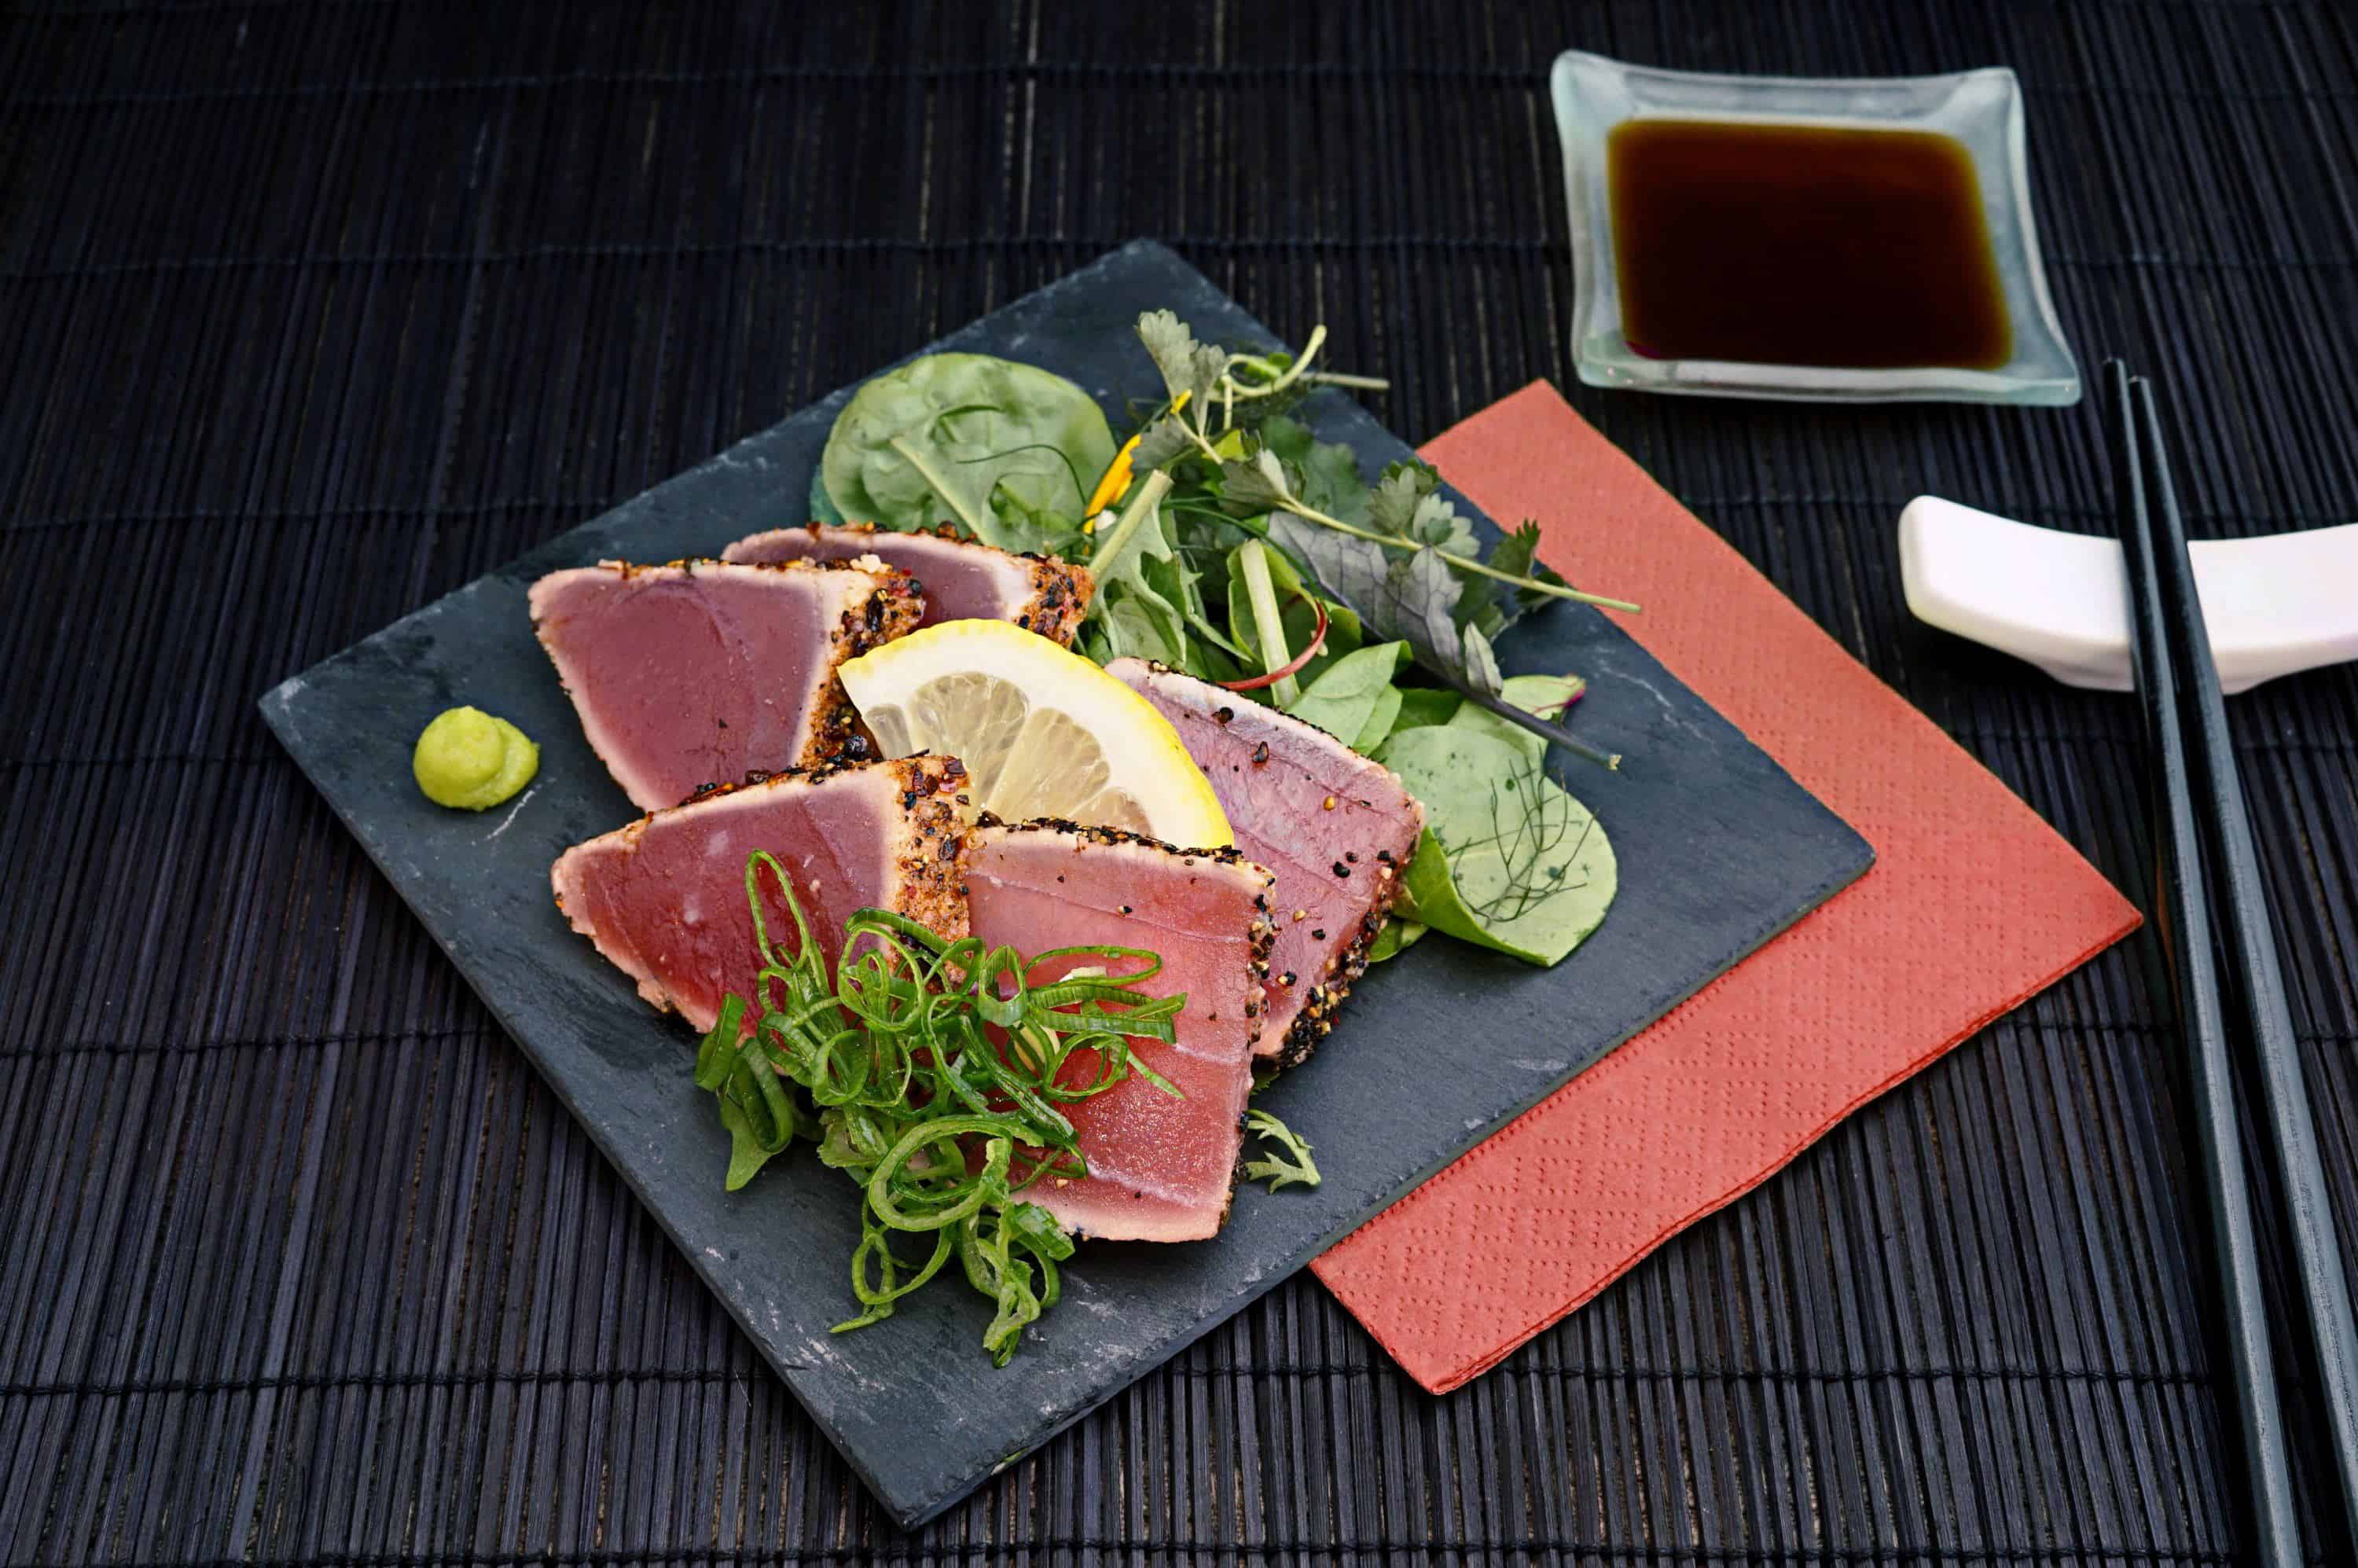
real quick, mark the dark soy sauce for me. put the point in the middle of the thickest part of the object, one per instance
(1804, 245)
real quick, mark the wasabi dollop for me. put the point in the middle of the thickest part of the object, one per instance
(469, 760)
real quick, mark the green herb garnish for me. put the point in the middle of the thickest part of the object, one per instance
(1395, 552)
(889, 1061)
(1291, 1165)
(1355, 700)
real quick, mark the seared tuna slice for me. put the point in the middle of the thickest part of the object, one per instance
(1160, 1169)
(1337, 830)
(961, 579)
(665, 897)
(699, 673)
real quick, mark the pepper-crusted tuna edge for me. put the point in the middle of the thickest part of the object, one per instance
(891, 609)
(1159, 668)
(690, 564)
(1226, 855)
(932, 878)
(1324, 998)
(1060, 588)
(1263, 939)
(939, 773)
(932, 890)
(1060, 597)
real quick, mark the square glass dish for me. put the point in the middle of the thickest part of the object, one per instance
(1982, 110)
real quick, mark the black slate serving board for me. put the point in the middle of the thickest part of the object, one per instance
(1719, 850)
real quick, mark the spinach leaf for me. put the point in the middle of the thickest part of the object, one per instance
(822, 505)
(1422, 705)
(945, 438)
(1344, 700)
(1379, 723)
(1030, 530)
(1508, 860)
(1547, 696)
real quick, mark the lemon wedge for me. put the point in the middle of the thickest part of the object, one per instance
(1042, 731)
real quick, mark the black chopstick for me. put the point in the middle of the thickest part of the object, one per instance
(2250, 950)
(2185, 910)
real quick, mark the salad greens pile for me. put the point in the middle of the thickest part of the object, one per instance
(1226, 540)
(1396, 553)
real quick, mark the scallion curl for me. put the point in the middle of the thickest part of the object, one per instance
(930, 1069)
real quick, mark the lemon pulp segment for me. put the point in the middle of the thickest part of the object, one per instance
(1043, 731)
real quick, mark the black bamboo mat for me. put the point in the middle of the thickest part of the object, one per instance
(311, 313)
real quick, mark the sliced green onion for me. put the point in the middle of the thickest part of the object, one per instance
(931, 1070)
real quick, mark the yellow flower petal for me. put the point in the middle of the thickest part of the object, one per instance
(1118, 472)
(1116, 480)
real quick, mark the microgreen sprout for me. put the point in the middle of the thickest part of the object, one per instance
(1290, 1164)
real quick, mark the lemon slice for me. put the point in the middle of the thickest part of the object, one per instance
(1042, 731)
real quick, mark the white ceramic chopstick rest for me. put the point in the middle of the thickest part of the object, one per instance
(2274, 605)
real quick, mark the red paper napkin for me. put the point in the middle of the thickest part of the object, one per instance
(1703, 1107)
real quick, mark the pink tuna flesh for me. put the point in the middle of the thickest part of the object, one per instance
(699, 673)
(1160, 1169)
(961, 579)
(665, 897)
(1336, 829)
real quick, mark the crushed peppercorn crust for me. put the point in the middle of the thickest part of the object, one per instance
(893, 610)
(1057, 592)
(1251, 742)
